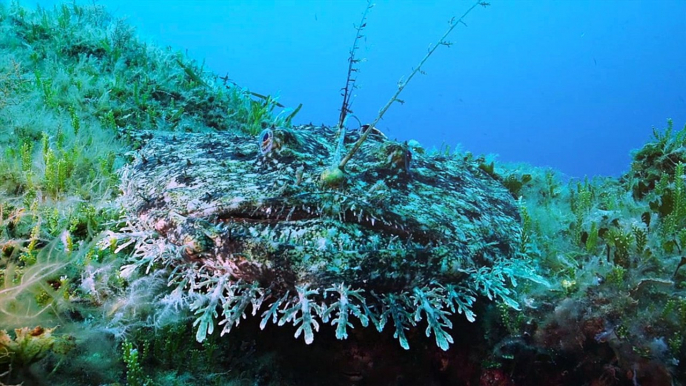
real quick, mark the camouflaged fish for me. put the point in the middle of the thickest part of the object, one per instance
(244, 224)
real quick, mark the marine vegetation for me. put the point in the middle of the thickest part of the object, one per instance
(149, 207)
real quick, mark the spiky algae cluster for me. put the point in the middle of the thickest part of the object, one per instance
(248, 226)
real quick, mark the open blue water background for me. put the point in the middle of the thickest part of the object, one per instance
(571, 84)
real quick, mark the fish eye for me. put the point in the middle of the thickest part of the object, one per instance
(266, 143)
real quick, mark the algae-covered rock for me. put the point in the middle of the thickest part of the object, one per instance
(242, 221)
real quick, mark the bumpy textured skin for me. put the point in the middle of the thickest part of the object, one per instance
(401, 221)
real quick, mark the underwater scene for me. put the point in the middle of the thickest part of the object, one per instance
(164, 222)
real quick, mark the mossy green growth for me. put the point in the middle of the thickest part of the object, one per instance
(72, 80)
(675, 194)
(134, 371)
(615, 246)
(656, 159)
(514, 183)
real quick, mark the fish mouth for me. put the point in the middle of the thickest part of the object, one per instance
(280, 226)
(274, 211)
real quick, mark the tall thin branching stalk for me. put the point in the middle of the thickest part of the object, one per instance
(347, 90)
(401, 85)
(352, 60)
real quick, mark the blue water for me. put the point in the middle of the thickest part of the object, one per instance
(575, 85)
